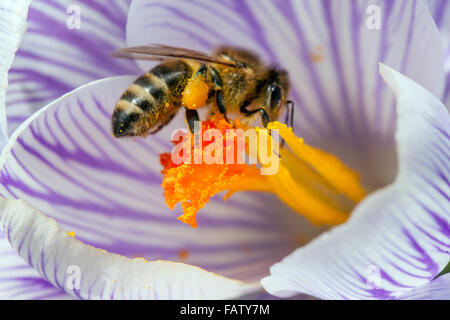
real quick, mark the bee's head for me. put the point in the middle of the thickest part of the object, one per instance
(276, 92)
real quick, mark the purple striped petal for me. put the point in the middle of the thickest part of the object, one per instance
(438, 289)
(54, 59)
(440, 9)
(65, 162)
(331, 54)
(398, 238)
(20, 281)
(86, 272)
(12, 27)
(17, 279)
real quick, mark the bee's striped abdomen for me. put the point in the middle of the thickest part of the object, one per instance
(151, 100)
(138, 96)
(175, 74)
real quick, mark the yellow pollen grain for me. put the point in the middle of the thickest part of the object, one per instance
(71, 234)
(317, 56)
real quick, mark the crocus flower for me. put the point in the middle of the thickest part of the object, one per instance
(86, 211)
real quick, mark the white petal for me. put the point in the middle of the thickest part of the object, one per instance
(89, 273)
(397, 238)
(20, 281)
(13, 16)
(437, 289)
(67, 44)
(440, 9)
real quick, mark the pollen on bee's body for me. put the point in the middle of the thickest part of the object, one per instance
(195, 93)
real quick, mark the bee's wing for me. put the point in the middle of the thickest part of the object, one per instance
(134, 56)
(158, 52)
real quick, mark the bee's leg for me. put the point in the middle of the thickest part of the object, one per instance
(265, 119)
(158, 128)
(191, 117)
(289, 116)
(290, 113)
(218, 85)
(202, 71)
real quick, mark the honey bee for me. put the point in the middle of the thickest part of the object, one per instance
(233, 81)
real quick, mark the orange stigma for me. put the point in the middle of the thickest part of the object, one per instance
(193, 184)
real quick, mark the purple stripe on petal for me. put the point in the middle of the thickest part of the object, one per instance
(20, 281)
(397, 239)
(440, 9)
(437, 289)
(54, 59)
(13, 15)
(66, 163)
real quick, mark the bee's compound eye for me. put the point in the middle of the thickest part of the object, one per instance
(275, 96)
(123, 123)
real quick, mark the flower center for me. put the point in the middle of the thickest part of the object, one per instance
(314, 183)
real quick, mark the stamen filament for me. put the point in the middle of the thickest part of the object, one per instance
(302, 200)
(341, 177)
